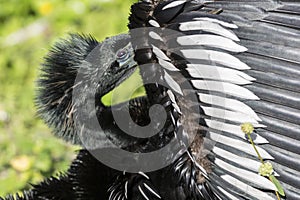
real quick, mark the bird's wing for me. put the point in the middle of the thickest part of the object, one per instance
(242, 58)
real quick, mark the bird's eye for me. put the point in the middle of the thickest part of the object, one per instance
(122, 55)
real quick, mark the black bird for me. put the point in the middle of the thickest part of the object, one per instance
(218, 68)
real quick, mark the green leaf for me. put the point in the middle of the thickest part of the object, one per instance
(277, 185)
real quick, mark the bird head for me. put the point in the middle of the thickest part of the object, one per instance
(79, 71)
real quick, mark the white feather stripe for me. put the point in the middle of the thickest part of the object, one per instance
(143, 193)
(212, 41)
(250, 164)
(167, 65)
(172, 83)
(208, 27)
(159, 53)
(154, 23)
(197, 164)
(254, 178)
(258, 194)
(229, 104)
(172, 96)
(143, 174)
(174, 103)
(240, 145)
(259, 126)
(152, 191)
(215, 56)
(233, 129)
(174, 4)
(230, 196)
(176, 107)
(218, 197)
(203, 67)
(218, 73)
(155, 36)
(110, 196)
(225, 24)
(126, 189)
(225, 88)
(224, 114)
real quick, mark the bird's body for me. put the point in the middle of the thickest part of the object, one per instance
(211, 71)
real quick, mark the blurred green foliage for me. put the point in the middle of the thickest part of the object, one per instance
(28, 150)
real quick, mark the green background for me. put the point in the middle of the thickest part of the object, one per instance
(28, 150)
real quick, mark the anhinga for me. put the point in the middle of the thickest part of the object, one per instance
(227, 75)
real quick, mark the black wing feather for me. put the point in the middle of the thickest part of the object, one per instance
(270, 31)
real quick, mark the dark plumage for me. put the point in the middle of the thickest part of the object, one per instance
(59, 72)
(211, 71)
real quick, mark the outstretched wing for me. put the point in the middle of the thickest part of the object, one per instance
(241, 57)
